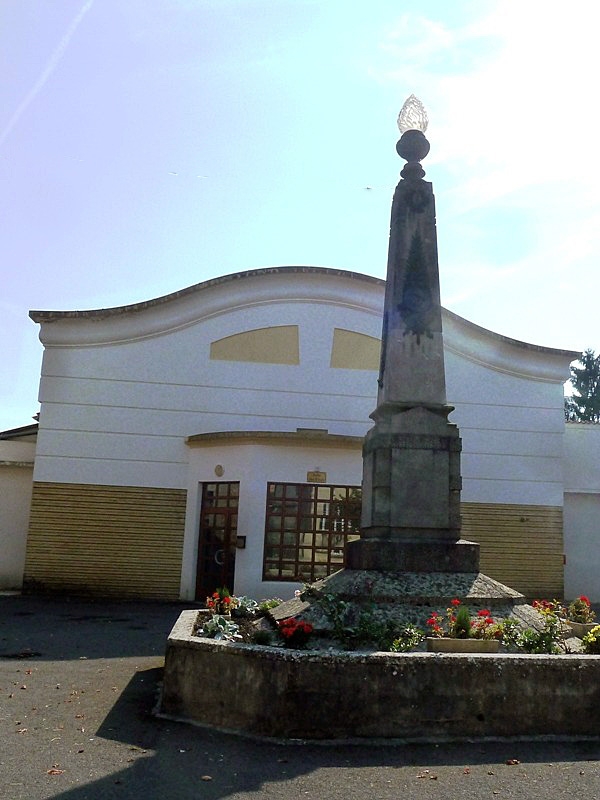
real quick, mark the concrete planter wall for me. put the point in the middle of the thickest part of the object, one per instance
(308, 695)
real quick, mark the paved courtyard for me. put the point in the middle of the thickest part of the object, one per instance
(79, 680)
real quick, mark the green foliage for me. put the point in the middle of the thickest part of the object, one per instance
(218, 627)
(244, 607)
(461, 628)
(408, 638)
(373, 631)
(584, 404)
(591, 641)
(366, 630)
(338, 613)
(511, 631)
(261, 636)
(546, 639)
(533, 641)
(269, 603)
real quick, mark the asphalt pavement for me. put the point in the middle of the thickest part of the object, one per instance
(79, 680)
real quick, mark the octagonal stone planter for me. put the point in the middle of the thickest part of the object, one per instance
(287, 694)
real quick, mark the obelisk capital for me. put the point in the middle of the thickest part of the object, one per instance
(412, 145)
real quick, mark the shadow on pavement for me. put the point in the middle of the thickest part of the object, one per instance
(175, 760)
(63, 628)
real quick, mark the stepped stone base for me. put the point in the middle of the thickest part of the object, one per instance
(405, 597)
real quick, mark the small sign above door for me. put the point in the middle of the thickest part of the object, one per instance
(316, 477)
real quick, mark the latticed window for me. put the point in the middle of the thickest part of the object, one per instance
(306, 529)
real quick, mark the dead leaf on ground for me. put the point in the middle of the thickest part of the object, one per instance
(54, 771)
(512, 762)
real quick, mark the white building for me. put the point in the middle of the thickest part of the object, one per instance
(214, 436)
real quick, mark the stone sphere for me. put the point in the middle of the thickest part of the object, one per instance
(412, 146)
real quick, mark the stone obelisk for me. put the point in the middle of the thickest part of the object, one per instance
(411, 457)
(410, 557)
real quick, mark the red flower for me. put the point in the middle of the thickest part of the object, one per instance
(455, 602)
(484, 613)
(585, 600)
(295, 631)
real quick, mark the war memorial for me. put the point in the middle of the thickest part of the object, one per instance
(409, 560)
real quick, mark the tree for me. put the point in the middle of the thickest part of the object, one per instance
(584, 404)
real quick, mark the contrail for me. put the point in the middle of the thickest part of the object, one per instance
(47, 72)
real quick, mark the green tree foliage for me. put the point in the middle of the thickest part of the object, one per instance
(584, 404)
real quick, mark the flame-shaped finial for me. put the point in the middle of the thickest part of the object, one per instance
(413, 116)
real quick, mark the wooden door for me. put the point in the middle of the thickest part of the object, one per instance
(216, 551)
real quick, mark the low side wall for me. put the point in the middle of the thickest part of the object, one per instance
(16, 480)
(308, 695)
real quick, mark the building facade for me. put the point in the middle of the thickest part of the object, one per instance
(214, 436)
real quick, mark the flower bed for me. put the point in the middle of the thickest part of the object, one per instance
(284, 693)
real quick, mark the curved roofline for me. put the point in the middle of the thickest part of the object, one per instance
(101, 313)
(455, 319)
(537, 348)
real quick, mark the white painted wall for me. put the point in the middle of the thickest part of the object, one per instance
(16, 470)
(120, 392)
(512, 429)
(582, 510)
(254, 465)
(122, 389)
(117, 412)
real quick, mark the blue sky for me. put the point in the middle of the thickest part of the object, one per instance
(147, 145)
